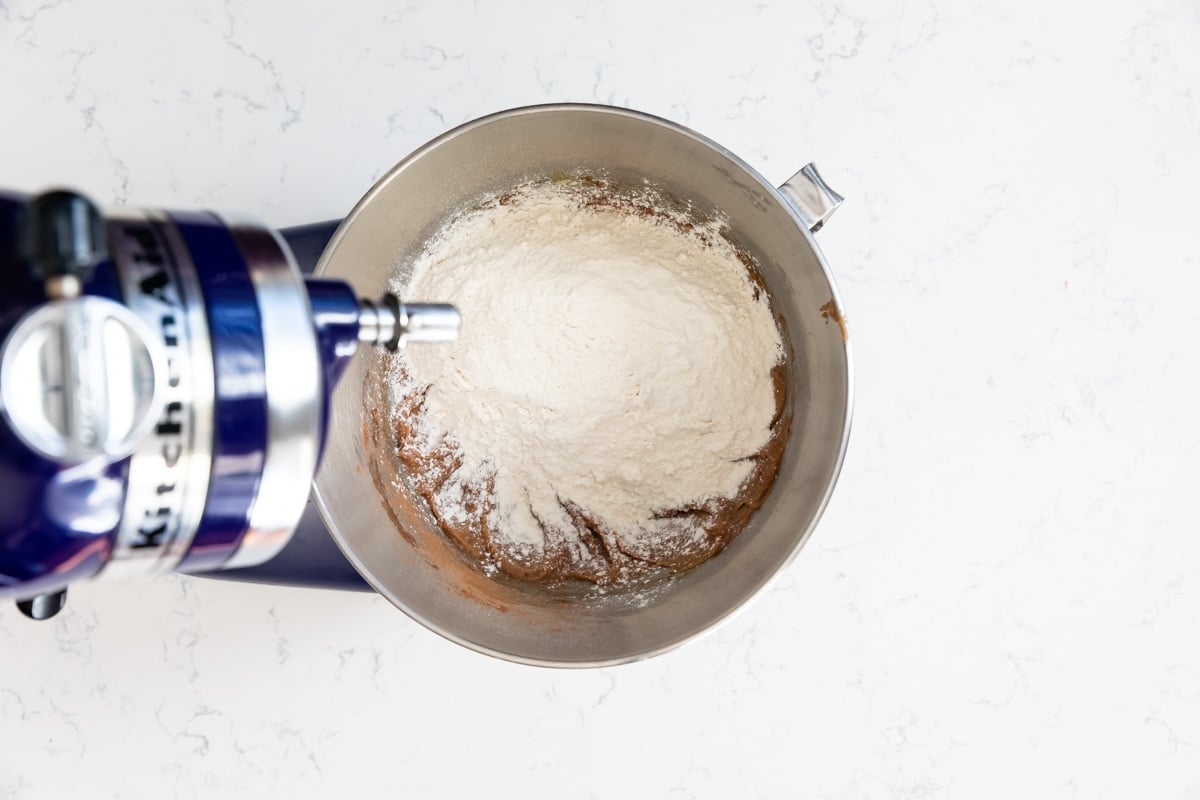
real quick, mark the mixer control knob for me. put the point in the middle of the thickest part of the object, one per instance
(82, 378)
(62, 237)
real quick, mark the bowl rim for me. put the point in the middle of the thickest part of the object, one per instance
(754, 592)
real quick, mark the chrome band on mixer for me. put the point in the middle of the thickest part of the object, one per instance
(294, 393)
(169, 472)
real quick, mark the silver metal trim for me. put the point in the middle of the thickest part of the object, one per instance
(172, 469)
(63, 287)
(376, 322)
(76, 427)
(395, 324)
(426, 322)
(812, 198)
(203, 393)
(294, 393)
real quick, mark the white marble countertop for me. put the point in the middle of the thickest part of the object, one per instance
(1003, 599)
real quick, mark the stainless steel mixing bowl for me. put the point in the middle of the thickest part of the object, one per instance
(390, 225)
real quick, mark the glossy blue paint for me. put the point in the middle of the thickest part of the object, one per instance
(308, 242)
(56, 523)
(240, 409)
(335, 318)
(311, 558)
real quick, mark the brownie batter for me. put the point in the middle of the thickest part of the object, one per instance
(591, 552)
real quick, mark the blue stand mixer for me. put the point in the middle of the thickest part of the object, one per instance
(166, 389)
(165, 381)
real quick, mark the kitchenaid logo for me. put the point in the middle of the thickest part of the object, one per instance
(153, 508)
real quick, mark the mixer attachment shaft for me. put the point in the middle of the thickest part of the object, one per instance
(392, 323)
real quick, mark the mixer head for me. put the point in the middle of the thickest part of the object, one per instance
(165, 383)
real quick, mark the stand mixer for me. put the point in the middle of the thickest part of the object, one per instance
(167, 389)
(165, 381)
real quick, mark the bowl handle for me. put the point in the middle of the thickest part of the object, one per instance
(812, 198)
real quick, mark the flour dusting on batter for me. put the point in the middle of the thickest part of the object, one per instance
(613, 403)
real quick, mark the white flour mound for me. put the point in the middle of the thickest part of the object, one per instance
(608, 361)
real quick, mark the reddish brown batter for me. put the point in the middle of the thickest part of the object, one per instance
(406, 475)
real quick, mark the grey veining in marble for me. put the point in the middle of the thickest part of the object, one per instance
(1003, 599)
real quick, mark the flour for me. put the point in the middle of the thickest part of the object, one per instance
(610, 364)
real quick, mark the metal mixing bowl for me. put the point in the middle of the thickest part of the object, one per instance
(526, 624)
